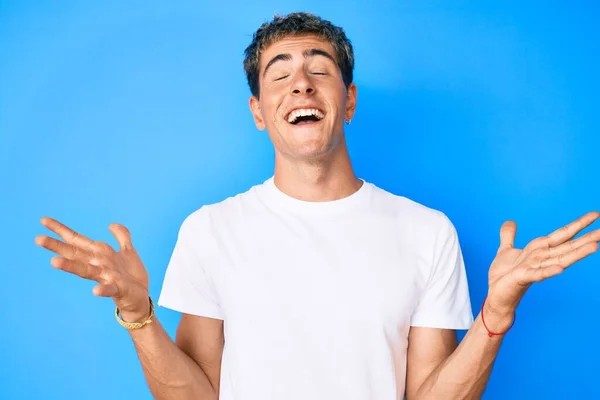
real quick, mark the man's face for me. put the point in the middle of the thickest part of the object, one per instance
(303, 100)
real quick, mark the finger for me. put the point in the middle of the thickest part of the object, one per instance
(83, 270)
(508, 231)
(105, 290)
(63, 249)
(567, 232)
(122, 236)
(567, 259)
(539, 274)
(591, 237)
(69, 235)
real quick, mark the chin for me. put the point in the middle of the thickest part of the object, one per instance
(310, 151)
(308, 142)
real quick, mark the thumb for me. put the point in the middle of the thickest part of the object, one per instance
(122, 235)
(105, 290)
(508, 231)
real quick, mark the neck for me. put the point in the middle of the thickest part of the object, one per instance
(327, 179)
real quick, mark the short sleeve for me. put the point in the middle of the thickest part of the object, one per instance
(445, 301)
(188, 286)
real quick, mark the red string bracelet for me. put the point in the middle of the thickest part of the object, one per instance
(490, 333)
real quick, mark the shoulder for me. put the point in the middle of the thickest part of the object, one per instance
(228, 210)
(419, 219)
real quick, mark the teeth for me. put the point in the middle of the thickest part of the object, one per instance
(303, 112)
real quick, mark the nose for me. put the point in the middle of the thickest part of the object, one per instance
(302, 84)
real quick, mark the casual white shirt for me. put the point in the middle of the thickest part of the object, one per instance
(317, 298)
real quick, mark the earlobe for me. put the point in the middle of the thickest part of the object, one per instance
(256, 113)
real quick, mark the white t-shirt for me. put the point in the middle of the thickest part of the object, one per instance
(318, 298)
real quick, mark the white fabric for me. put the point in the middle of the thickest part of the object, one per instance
(317, 298)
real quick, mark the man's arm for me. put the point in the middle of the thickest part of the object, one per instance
(464, 372)
(187, 369)
(437, 368)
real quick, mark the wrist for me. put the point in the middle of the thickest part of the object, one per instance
(497, 311)
(497, 320)
(498, 304)
(136, 314)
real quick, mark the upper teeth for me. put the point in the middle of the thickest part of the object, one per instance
(303, 112)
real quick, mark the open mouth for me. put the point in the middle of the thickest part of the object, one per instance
(303, 116)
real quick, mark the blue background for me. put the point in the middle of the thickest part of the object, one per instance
(137, 113)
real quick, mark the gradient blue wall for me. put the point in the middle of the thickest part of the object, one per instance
(137, 113)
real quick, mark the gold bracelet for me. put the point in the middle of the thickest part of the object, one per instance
(135, 325)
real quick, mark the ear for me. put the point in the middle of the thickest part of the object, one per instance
(350, 102)
(256, 113)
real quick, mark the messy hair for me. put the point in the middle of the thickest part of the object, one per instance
(296, 24)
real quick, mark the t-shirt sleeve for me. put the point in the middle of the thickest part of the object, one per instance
(188, 286)
(445, 301)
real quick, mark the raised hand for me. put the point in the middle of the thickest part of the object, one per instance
(513, 270)
(121, 274)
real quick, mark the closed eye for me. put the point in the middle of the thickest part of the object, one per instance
(319, 73)
(283, 77)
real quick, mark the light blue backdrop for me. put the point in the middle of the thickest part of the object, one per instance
(136, 112)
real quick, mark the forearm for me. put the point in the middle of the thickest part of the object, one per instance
(465, 373)
(170, 373)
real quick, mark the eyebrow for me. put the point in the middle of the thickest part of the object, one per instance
(306, 54)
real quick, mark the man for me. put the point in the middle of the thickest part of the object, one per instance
(315, 284)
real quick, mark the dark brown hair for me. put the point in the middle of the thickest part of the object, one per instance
(296, 24)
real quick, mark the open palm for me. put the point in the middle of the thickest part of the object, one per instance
(120, 274)
(514, 270)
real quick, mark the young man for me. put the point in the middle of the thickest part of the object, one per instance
(315, 284)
